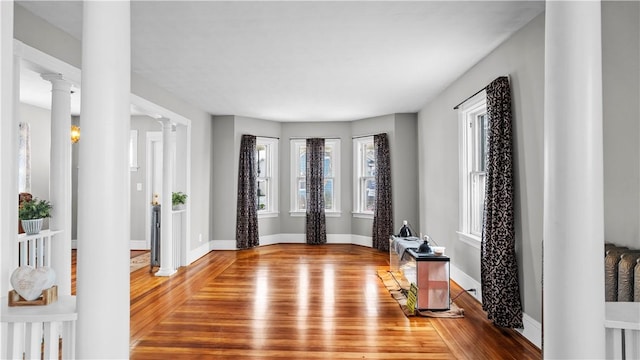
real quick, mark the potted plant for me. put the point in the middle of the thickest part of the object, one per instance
(178, 199)
(32, 212)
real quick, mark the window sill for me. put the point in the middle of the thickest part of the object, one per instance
(469, 239)
(272, 214)
(326, 213)
(362, 215)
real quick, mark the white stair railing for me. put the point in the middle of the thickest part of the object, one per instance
(622, 326)
(38, 331)
(35, 250)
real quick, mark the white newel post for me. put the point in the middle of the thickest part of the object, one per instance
(60, 180)
(573, 299)
(103, 182)
(166, 220)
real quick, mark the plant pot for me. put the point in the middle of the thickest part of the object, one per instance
(178, 207)
(32, 226)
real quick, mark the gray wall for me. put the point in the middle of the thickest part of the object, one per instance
(224, 175)
(139, 204)
(257, 127)
(521, 57)
(342, 130)
(228, 130)
(39, 120)
(621, 110)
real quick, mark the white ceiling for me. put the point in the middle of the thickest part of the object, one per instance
(307, 61)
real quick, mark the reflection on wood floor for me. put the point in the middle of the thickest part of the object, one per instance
(296, 301)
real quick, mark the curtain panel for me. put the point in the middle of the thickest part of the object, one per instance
(247, 211)
(316, 221)
(498, 263)
(383, 212)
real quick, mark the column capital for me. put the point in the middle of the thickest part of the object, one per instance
(58, 81)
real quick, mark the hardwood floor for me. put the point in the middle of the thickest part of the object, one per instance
(296, 301)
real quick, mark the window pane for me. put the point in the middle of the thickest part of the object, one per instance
(302, 161)
(328, 194)
(261, 159)
(302, 194)
(370, 194)
(478, 180)
(328, 168)
(483, 130)
(369, 160)
(262, 194)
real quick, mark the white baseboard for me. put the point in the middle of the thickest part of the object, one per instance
(338, 238)
(532, 330)
(466, 282)
(362, 240)
(138, 245)
(293, 239)
(199, 252)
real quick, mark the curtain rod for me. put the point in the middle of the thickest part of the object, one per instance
(465, 100)
(269, 137)
(479, 91)
(364, 136)
(314, 137)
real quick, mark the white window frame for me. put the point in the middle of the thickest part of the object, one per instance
(296, 144)
(359, 177)
(270, 176)
(468, 161)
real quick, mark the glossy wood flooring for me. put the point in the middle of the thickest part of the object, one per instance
(295, 301)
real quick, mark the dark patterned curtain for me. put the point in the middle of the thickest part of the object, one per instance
(383, 213)
(316, 224)
(498, 263)
(247, 211)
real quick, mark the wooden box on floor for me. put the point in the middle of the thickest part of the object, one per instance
(430, 273)
(48, 296)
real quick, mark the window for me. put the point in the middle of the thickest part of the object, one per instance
(473, 154)
(267, 182)
(364, 197)
(331, 175)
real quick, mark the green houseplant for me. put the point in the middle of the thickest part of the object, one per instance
(32, 212)
(178, 199)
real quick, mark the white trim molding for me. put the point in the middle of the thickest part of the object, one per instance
(532, 330)
(469, 239)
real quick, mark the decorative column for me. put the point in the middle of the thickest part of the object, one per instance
(103, 182)
(60, 180)
(573, 255)
(9, 75)
(166, 220)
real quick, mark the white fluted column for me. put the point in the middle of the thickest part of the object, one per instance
(573, 296)
(8, 145)
(103, 182)
(60, 180)
(166, 221)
